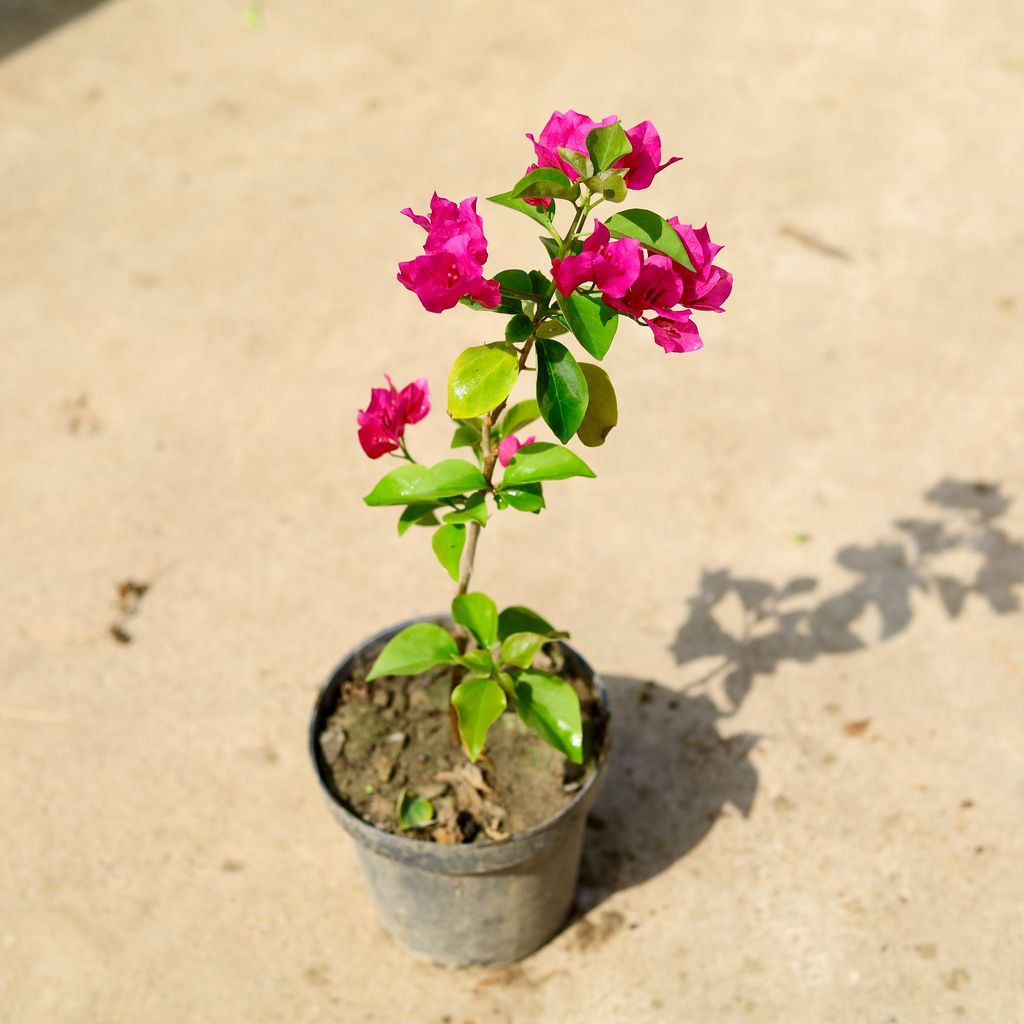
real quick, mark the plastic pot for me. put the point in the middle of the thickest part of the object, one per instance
(480, 903)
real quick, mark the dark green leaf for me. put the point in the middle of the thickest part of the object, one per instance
(417, 648)
(551, 245)
(549, 706)
(592, 322)
(517, 280)
(602, 409)
(479, 702)
(474, 512)
(540, 284)
(479, 614)
(518, 416)
(448, 542)
(606, 144)
(413, 811)
(545, 183)
(416, 483)
(526, 498)
(519, 328)
(517, 619)
(543, 461)
(533, 212)
(652, 230)
(420, 514)
(481, 379)
(520, 649)
(561, 388)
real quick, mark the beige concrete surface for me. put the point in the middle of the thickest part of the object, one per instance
(815, 813)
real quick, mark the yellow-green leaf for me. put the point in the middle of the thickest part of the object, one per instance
(481, 379)
(602, 410)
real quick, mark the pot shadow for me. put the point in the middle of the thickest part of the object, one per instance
(24, 21)
(674, 773)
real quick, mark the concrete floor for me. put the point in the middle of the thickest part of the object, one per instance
(809, 537)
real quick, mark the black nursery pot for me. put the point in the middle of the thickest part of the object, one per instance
(481, 903)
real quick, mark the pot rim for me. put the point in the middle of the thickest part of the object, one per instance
(440, 856)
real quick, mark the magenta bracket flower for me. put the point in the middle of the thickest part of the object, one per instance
(382, 423)
(563, 145)
(631, 264)
(451, 267)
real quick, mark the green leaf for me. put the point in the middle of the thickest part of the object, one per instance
(517, 619)
(520, 649)
(540, 283)
(536, 213)
(448, 542)
(420, 514)
(561, 388)
(577, 160)
(519, 328)
(478, 661)
(602, 409)
(417, 648)
(518, 280)
(478, 703)
(606, 144)
(551, 245)
(527, 498)
(543, 461)
(549, 706)
(545, 183)
(609, 184)
(552, 328)
(479, 614)
(414, 482)
(413, 811)
(592, 322)
(468, 433)
(474, 512)
(652, 230)
(518, 416)
(481, 379)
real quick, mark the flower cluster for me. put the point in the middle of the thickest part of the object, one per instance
(454, 253)
(382, 423)
(648, 286)
(569, 131)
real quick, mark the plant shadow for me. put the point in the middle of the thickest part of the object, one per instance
(674, 773)
(24, 21)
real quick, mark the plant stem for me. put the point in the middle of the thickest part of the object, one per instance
(489, 453)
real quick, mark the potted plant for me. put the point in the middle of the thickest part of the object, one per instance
(463, 752)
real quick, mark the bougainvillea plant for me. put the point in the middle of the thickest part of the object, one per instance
(631, 264)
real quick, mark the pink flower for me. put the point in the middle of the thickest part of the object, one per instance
(383, 422)
(570, 130)
(658, 285)
(658, 288)
(706, 286)
(510, 445)
(674, 331)
(453, 256)
(612, 266)
(645, 160)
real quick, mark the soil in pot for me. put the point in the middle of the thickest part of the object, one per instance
(393, 735)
